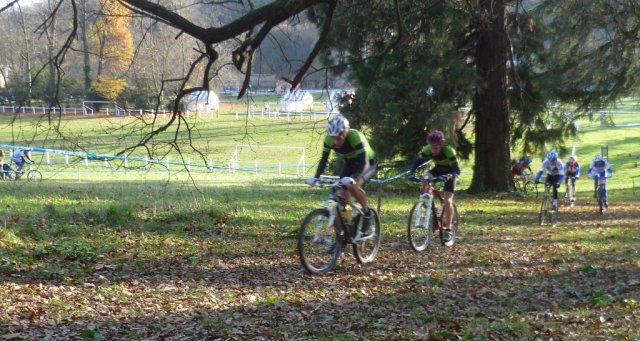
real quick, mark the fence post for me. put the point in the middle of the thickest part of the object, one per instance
(48, 157)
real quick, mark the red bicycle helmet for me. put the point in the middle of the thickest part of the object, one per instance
(435, 137)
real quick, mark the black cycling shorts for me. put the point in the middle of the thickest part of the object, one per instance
(449, 185)
(357, 170)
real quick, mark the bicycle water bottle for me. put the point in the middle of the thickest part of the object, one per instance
(344, 212)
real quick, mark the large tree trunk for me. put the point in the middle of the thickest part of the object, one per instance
(491, 107)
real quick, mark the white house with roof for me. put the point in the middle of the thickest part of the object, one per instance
(202, 101)
(296, 101)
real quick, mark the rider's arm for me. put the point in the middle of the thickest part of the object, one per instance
(539, 175)
(414, 165)
(453, 161)
(322, 164)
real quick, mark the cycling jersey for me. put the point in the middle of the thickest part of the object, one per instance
(518, 168)
(358, 155)
(600, 167)
(19, 157)
(552, 168)
(445, 162)
(572, 168)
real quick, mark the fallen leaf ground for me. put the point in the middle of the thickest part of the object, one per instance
(506, 278)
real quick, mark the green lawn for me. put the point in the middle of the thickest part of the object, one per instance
(91, 253)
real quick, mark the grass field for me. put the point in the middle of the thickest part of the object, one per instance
(91, 253)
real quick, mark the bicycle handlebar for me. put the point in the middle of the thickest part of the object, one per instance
(441, 178)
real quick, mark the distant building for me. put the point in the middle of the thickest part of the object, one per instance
(202, 101)
(296, 101)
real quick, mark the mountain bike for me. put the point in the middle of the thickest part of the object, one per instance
(32, 175)
(525, 185)
(602, 199)
(570, 193)
(426, 215)
(326, 230)
(547, 213)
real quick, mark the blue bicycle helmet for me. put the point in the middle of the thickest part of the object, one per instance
(552, 156)
(526, 159)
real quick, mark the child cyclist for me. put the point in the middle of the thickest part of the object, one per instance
(555, 172)
(446, 166)
(572, 173)
(600, 168)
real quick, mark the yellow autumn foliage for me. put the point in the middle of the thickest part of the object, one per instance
(115, 48)
(108, 87)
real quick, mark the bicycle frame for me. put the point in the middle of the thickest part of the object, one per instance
(602, 201)
(426, 217)
(546, 202)
(333, 204)
(429, 193)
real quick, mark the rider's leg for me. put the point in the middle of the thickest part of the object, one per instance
(447, 203)
(19, 166)
(552, 180)
(358, 193)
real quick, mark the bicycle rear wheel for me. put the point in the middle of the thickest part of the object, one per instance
(454, 227)
(420, 226)
(319, 245)
(34, 175)
(366, 250)
(544, 209)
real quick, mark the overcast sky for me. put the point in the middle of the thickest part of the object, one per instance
(22, 2)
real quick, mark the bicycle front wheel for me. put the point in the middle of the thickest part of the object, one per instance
(544, 209)
(34, 175)
(601, 200)
(420, 226)
(319, 245)
(454, 228)
(366, 250)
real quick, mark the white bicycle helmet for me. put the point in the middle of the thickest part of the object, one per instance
(337, 125)
(573, 158)
(598, 157)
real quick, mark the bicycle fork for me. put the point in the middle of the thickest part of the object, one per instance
(427, 198)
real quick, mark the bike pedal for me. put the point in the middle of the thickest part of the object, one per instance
(361, 238)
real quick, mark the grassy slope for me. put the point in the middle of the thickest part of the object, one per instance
(135, 256)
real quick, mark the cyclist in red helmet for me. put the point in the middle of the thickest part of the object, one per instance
(446, 166)
(522, 169)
